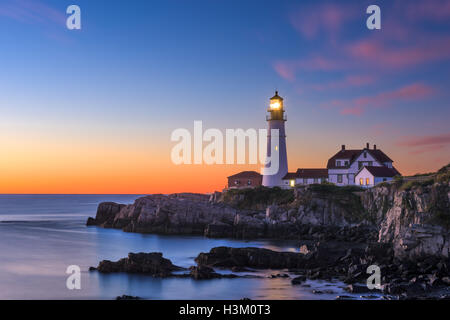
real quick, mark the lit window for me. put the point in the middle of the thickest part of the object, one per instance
(361, 181)
(276, 148)
(367, 181)
(292, 183)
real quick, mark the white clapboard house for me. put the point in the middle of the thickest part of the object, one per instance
(363, 167)
(346, 164)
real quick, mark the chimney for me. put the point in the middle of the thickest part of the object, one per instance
(374, 147)
(367, 145)
(343, 147)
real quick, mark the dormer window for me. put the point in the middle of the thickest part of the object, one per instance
(249, 182)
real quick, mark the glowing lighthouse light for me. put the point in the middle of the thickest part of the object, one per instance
(275, 105)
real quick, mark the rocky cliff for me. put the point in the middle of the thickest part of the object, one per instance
(305, 213)
(412, 215)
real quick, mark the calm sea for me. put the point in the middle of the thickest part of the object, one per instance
(41, 235)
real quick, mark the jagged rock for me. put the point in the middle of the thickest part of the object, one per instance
(91, 222)
(354, 288)
(147, 263)
(298, 280)
(203, 272)
(257, 258)
(446, 280)
(126, 297)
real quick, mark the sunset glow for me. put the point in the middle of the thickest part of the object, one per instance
(92, 111)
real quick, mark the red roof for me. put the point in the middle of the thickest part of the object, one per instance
(290, 175)
(382, 171)
(312, 173)
(352, 155)
(307, 173)
(246, 175)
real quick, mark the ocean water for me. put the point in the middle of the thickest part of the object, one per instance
(41, 235)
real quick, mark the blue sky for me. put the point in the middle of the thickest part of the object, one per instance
(139, 69)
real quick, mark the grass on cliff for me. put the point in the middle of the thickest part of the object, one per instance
(423, 180)
(251, 198)
(330, 188)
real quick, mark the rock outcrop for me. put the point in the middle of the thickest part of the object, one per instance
(415, 220)
(147, 263)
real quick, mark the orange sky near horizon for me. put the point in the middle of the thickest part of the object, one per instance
(93, 167)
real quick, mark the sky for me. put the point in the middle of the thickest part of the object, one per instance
(92, 110)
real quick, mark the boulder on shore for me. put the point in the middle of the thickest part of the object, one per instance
(147, 263)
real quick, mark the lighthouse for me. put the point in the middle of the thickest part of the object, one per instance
(275, 120)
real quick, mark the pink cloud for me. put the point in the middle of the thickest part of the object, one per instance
(436, 10)
(287, 69)
(359, 105)
(356, 110)
(415, 141)
(426, 149)
(392, 57)
(27, 11)
(326, 18)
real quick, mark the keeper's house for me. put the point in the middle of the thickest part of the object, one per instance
(346, 164)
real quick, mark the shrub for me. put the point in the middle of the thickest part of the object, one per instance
(408, 185)
(333, 189)
(250, 198)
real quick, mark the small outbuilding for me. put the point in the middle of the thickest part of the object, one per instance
(369, 176)
(245, 179)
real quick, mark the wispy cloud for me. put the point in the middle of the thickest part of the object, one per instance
(288, 69)
(375, 51)
(324, 20)
(416, 141)
(33, 12)
(423, 144)
(435, 10)
(359, 105)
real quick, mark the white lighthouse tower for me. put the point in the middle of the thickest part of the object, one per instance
(276, 120)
